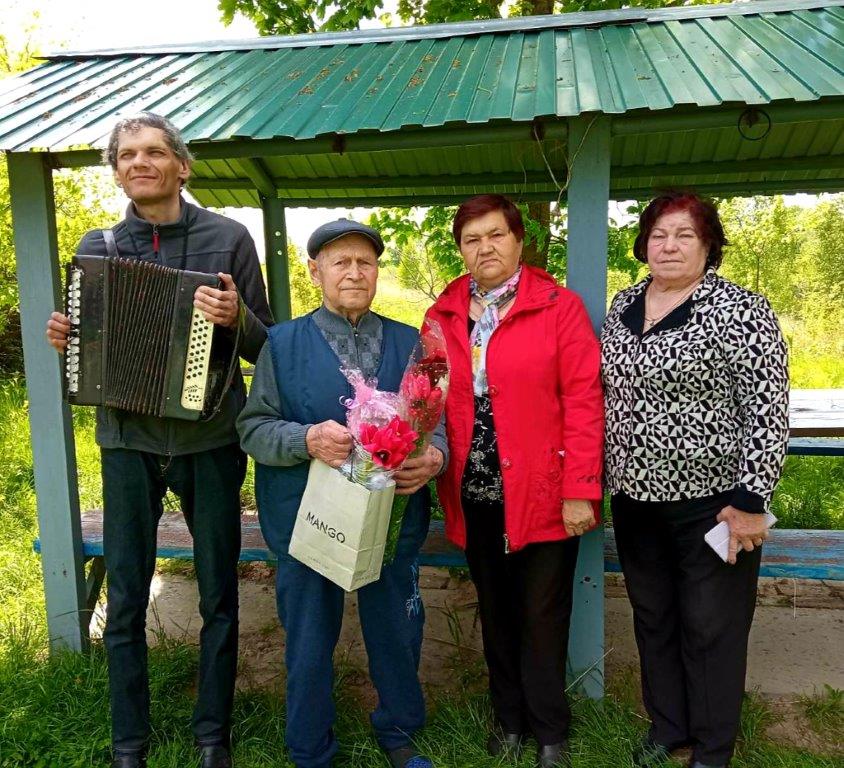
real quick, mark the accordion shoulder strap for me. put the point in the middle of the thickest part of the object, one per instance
(110, 244)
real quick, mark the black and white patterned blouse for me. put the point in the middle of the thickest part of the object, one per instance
(482, 481)
(698, 405)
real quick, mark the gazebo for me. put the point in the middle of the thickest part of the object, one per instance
(581, 108)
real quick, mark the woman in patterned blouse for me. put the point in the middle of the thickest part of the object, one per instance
(524, 416)
(696, 392)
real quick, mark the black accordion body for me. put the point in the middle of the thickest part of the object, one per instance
(137, 343)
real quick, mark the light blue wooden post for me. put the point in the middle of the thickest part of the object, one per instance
(588, 202)
(53, 450)
(275, 240)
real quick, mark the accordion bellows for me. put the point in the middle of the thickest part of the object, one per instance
(137, 343)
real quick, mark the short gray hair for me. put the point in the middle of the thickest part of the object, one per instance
(134, 124)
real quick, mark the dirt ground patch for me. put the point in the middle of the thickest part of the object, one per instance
(796, 644)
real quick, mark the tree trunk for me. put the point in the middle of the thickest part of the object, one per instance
(541, 7)
(541, 213)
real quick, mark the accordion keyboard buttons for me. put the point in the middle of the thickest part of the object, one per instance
(71, 359)
(196, 364)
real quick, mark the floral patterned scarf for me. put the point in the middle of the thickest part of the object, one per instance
(486, 325)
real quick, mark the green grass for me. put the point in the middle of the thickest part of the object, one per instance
(54, 711)
(810, 493)
(825, 710)
(21, 593)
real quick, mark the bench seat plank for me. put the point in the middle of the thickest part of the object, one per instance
(801, 554)
(816, 446)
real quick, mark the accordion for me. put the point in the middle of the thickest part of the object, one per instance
(137, 343)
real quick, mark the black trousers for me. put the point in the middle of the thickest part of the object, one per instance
(692, 615)
(208, 486)
(524, 601)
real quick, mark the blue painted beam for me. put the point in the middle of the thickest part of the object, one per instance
(793, 554)
(53, 450)
(589, 139)
(275, 241)
(816, 446)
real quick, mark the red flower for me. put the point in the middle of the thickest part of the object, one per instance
(434, 366)
(389, 445)
(424, 402)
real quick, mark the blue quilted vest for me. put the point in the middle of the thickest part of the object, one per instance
(311, 388)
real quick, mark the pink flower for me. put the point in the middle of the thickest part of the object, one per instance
(389, 445)
(416, 386)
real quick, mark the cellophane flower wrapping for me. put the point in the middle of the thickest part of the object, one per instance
(422, 394)
(383, 438)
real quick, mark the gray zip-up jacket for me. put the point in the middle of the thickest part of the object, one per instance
(201, 241)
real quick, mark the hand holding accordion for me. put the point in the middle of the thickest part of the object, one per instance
(137, 342)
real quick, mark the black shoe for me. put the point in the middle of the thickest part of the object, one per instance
(129, 760)
(554, 756)
(407, 757)
(214, 756)
(649, 754)
(504, 744)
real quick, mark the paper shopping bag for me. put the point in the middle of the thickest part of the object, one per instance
(341, 527)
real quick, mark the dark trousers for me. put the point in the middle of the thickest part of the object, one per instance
(692, 614)
(208, 487)
(391, 617)
(524, 601)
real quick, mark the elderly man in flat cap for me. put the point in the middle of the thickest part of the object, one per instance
(294, 413)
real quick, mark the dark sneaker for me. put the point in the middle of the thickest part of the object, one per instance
(129, 760)
(553, 756)
(407, 757)
(504, 744)
(215, 756)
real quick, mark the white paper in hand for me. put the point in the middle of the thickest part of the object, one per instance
(719, 537)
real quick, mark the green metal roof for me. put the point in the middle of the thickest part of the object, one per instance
(440, 111)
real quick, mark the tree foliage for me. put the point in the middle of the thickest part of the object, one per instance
(795, 257)
(18, 58)
(272, 17)
(82, 200)
(304, 295)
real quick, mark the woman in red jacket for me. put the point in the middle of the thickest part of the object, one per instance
(525, 423)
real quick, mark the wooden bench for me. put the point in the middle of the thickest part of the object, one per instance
(787, 553)
(816, 446)
(797, 554)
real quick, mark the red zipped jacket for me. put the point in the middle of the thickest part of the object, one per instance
(543, 371)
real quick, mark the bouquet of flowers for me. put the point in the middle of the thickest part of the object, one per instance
(383, 439)
(342, 520)
(422, 394)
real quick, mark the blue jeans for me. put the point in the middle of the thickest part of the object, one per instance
(208, 486)
(391, 616)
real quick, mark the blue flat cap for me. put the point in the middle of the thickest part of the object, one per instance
(334, 230)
